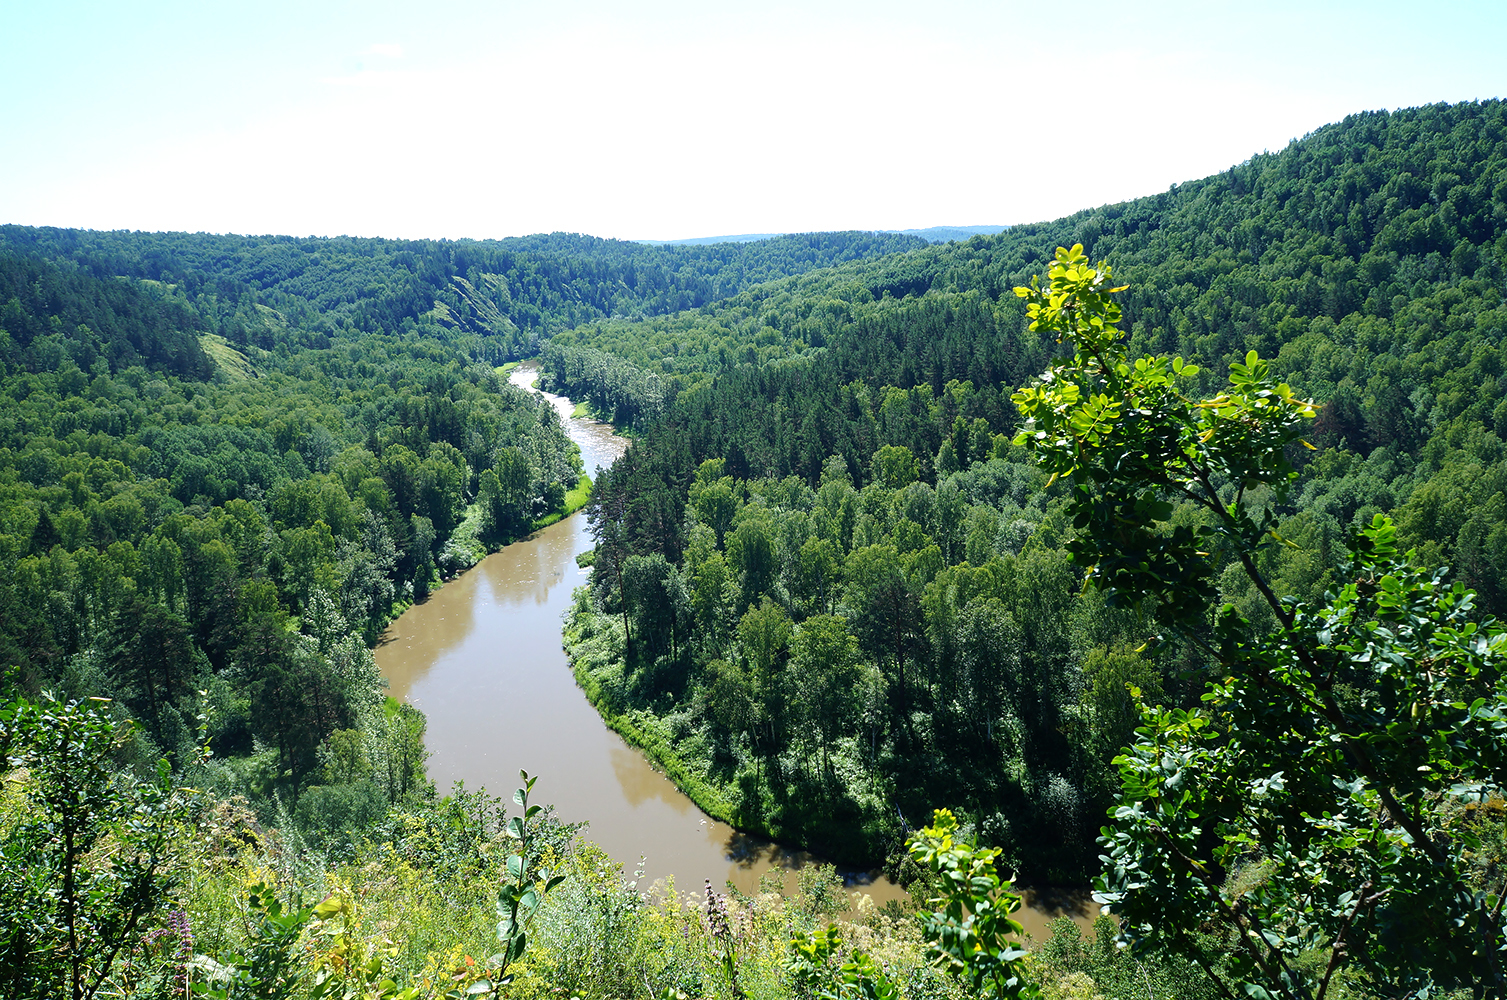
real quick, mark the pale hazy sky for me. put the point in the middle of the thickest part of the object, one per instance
(662, 120)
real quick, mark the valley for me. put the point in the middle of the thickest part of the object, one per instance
(1159, 547)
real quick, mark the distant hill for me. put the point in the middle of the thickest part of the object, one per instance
(935, 234)
(703, 241)
(945, 234)
(511, 293)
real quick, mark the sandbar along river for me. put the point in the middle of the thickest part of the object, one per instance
(482, 659)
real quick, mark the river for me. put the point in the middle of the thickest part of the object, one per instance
(482, 659)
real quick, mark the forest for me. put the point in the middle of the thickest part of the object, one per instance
(867, 581)
(502, 298)
(228, 462)
(864, 469)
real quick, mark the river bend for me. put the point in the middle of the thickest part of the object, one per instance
(482, 659)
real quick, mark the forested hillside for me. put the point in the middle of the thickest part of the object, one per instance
(243, 524)
(507, 295)
(839, 582)
(831, 491)
(225, 464)
(1337, 226)
(53, 311)
(222, 471)
(204, 434)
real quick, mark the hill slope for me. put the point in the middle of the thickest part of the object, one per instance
(828, 485)
(508, 294)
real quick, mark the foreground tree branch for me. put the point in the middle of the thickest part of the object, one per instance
(1303, 820)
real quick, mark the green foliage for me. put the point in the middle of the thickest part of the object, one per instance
(1133, 444)
(1311, 808)
(330, 816)
(352, 968)
(971, 933)
(1073, 966)
(1333, 766)
(894, 466)
(269, 967)
(523, 891)
(816, 972)
(610, 387)
(85, 863)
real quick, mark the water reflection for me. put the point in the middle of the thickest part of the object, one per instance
(428, 632)
(639, 784)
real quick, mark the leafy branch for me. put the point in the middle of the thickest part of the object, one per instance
(1310, 805)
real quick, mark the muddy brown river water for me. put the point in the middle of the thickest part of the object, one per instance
(482, 659)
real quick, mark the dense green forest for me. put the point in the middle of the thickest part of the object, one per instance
(501, 298)
(213, 444)
(174, 525)
(831, 490)
(861, 562)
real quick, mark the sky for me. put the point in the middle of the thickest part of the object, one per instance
(669, 120)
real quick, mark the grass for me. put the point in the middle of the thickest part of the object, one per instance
(574, 500)
(586, 645)
(232, 363)
(467, 536)
(638, 729)
(416, 904)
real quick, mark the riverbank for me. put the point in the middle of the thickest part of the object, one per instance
(467, 547)
(853, 827)
(489, 644)
(643, 732)
(861, 837)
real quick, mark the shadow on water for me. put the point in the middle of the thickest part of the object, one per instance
(640, 783)
(749, 852)
(1054, 901)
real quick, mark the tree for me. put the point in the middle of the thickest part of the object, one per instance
(764, 632)
(729, 697)
(894, 466)
(988, 662)
(153, 663)
(88, 868)
(818, 573)
(888, 614)
(824, 676)
(296, 698)
(1321, 807)
(751, 553)
(654, 597)
(505, 494)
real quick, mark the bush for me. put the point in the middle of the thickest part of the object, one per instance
(330, 816)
